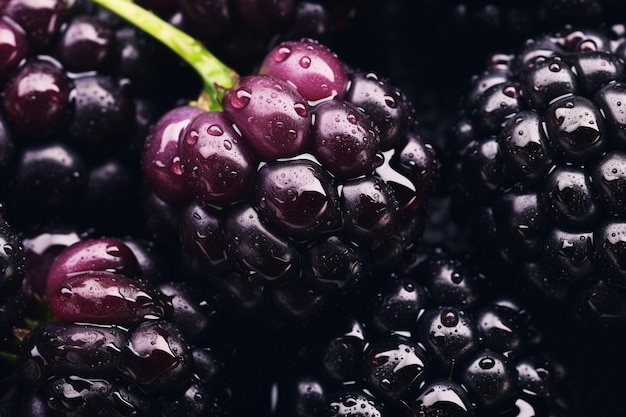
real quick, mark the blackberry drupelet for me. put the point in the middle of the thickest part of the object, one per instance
(433, 340)
(541, 168)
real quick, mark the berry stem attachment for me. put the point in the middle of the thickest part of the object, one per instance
(216, 76)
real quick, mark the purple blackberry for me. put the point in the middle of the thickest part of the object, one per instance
(298, 182)
(432, 340)
(540, 164)
(119, 343)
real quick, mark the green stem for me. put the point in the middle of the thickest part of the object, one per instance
(216, 76)
(8, 356)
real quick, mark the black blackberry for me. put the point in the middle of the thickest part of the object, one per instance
(541, 168)
(73, 114)
(432, 341)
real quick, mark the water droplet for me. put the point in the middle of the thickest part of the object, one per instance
(449, 318)
(587, 45)
(301, 109)
(240, 98)
(228, 145)
(510, 91)
(113, 250)
(351, 118)
(176, 166)
(192, 138)
(305, 62)
(281, 54)
(554, 67)
(391, 102)
(215, 130)
(385, 384)
(486, 363)
(65, 292)
(8, 249)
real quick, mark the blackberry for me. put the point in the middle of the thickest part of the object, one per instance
(540, 166)
(120, 343)
(296, 182)
(73, 114)
(432, 340)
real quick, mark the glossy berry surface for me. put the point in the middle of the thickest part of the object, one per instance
(345, 140)
(119, 341)
(314, 69)
(217, 164)
(38, 96)
(314, 206)
(271, 114)
(542, 166)
(291, 186)
(161, 157)
(415, 351)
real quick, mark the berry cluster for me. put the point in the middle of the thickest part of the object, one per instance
(120, 342)
(310, 179)
(429, 341)
(75, 108)
(259, 236)
(541, 167)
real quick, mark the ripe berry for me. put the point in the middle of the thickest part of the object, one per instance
(540, 165)
(283, 185)
(411, 348)
(120, 342)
